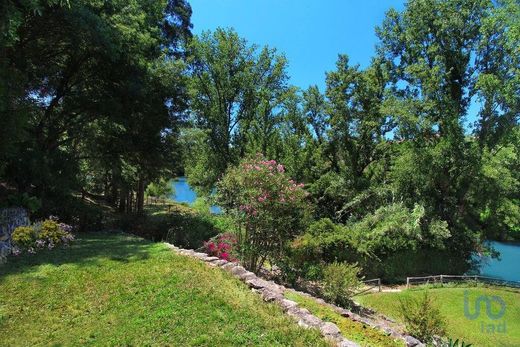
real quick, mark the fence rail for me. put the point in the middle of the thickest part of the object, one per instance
(441, 279)
(373, 283)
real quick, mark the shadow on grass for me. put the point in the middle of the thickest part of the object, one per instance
(177, 224)
(88, 249)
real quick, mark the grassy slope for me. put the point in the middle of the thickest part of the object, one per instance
(120, 290)
(354, 331)
(451, 302)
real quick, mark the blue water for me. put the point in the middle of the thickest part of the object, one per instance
(184, 193)
(507, 267)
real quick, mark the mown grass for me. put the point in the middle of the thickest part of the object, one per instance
(451, 304)
(354, 331)
(115, 289)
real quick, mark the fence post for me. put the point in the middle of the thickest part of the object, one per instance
(442, 281)
(407, 282)
(379, 284)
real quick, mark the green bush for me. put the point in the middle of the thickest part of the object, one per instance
(341, 282)
(24, 236)
(190, 230)
(50, 231)
(422, 317)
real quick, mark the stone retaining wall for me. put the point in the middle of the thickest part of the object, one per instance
(272, 292)
(10, 219)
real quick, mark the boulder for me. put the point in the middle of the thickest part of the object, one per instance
(347, 343)
(412, 342)
(248, 275)
(238, 270)
(330, 330)
(209, 259)
(287, 304)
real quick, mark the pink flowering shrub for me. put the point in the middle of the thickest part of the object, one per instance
(267, 206)
(223, 246)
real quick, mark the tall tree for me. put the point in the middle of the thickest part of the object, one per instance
(236, 92)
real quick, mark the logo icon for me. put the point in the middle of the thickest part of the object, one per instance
(499, 327)
(478, 303)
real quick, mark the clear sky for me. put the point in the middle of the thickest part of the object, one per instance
(311, 34)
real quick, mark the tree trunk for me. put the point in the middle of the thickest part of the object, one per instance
(140, 195)
(122, 201)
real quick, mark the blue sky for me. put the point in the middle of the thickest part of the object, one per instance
(311, 34)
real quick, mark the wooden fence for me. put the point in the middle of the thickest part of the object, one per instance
(441, 279)
(373, 283)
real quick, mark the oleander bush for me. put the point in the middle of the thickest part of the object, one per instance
(268, 208)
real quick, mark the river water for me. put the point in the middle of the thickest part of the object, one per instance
(184, 193)
(507, 267)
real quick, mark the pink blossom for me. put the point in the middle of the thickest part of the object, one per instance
(211, 247)
(280, 168)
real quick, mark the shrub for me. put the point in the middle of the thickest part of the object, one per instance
(422, 317)
(341, 282)
(223, 246)
(189, 230)
(48, 233)
(51, 232)
(24, 236)
(268, 209)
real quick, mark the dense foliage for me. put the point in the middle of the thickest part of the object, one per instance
(268, 207)
(413, 159)
(410, 162)
(90, 98)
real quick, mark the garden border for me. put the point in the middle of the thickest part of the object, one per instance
(272, 292)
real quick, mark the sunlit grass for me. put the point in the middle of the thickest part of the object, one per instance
(114, 289)
(451, 302)
(354, 331)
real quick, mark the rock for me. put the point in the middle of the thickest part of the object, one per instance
(345, 313)
(172, 247)
(258, 283)
(209, 259)
(200, 255)
(269, 295)
(330, 330)
(312, 321)
(219, 262)
(347, 343)
(412, 342)
(189, 252)
(238, 270)
(287, 304)
(229, 266)
(248, 275)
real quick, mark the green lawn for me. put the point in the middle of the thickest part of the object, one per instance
(354, 331)
(114, 289)
(451, 302)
